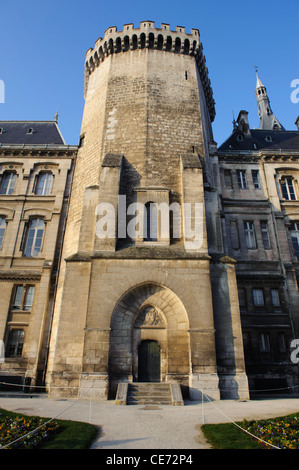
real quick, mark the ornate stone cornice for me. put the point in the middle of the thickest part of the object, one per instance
(278, 156)
(56, 151)
(150, 37)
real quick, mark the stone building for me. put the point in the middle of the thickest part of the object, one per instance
(151, 276)
(35, 175)
(259, 203)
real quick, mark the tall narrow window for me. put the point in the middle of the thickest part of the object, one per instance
(8, 182)
(28, 300)
(150, 222)
(249, 235)
(242, 182)
(287, 188)
(275, 297)
(2, 230)
(17, 298)
(15, 343)
(258, 297)
(265, 235)
(255, 179)
(33, 237)
(44, 183)
(294, 231)
(264, 342)
(281, 342)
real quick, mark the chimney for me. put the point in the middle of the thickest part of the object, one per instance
(243, 124)
(297, 122)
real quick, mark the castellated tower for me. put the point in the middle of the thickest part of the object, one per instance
(135, 294)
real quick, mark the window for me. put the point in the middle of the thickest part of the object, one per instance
(8, 182)
(281, 342)
(44, 183)
(258, 297)
(228, 179)
(275, 297)
(33, 237)
(265, 235)
(249, 235)
(15, 343)
(294, 231)
(28, 300)
(287, 188)
(242, 182)
(150, 222)
(264, 342)
(255, 179)
(2, 230)
(23, 298)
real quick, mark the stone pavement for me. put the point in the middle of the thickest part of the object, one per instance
(151, 426)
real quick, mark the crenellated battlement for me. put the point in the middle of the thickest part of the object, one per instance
(150, 37)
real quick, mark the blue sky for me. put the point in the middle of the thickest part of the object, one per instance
(43, 46)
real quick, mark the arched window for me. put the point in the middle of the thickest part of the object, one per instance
(33, 237)
(8, 182)
(150, 222)
(168, 43)
(118, 45)
(110, 46)
(151, 41)
(134, 42)
(126, 43)
(142, 40)
(2, 230)
(43, 185)
(177, 45)
(160, 42)
(186, 46)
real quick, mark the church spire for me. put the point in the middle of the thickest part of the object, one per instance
(267, 119)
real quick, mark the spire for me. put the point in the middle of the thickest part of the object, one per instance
(267, 119)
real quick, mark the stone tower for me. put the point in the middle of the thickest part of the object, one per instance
(125, 290)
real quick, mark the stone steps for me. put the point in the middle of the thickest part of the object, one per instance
(149, 394)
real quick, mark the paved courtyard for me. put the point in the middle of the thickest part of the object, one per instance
(152, 426)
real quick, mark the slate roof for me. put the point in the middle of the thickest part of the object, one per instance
(42, 133)
(259, 140)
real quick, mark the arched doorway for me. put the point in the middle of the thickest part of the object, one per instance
(149, 312)
(149, 361)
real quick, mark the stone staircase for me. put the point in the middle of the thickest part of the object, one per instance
(141, 393)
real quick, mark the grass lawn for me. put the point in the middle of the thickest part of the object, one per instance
(282, 432)
(58, 434)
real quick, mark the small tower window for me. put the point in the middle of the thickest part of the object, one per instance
(150, 222)
(30, 130)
